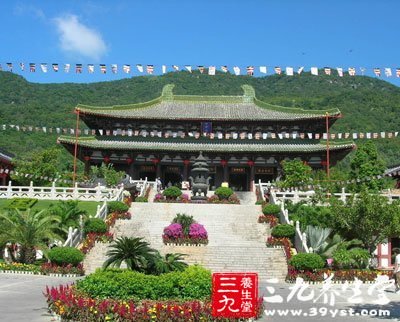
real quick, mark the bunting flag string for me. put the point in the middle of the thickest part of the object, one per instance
(250, 70)
(217, 135)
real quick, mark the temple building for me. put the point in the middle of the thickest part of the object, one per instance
(242, 138)
(5, 166)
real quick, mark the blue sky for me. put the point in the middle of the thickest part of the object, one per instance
(340, 33)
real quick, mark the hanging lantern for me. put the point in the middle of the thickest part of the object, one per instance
(250, 163)
(129, 160)
(106, 159)
(86, 158)
(186, 162)
(155, 160)
(224, 163)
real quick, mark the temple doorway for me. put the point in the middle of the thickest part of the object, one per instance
(265, 174)
(238, 179)
(172, 176)
(148, 172)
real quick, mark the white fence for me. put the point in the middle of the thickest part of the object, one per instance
(300, 239)
(296, 196)
(75, 236)
(98, 193)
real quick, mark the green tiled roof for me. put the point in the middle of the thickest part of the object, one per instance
(192, 107)
(193, 145)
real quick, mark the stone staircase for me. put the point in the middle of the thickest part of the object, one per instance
(236, 240)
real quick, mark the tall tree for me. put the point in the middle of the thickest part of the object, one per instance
(48, 163)
(295, 173)
(366, 166)
(368, 217)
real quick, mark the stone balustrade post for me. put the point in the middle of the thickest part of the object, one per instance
(70, 233)
(30, 191)
(343, 195)
(53, 190)
(9, 190)
(98, 192)
(76, 193)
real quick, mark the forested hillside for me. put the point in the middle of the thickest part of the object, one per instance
(367, 104)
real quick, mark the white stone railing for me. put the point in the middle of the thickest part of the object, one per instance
(75, 236)
(98, 193)
(296, 196)
(300, 239)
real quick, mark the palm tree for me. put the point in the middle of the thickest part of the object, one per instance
(168, 263)
(135, 252)
(69, 214)
(31, 230)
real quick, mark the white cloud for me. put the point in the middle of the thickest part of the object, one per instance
(23, 9)
(76, 38)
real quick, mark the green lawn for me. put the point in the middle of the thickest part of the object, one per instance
(89, 206)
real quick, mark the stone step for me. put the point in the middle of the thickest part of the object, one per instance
(236, 240)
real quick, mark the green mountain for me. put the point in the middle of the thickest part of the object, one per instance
(367, 104)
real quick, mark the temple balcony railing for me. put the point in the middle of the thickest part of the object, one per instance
(98, 193)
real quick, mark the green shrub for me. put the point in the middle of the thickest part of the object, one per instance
(305, 261)
(223, 192)
(192, 283)
(172, 192)
(95, 225)
(141, 199)
(360, 257)
(283, 231)
(271, 209)
(22, 204)
(65, 255)
(185, 222)
(353, 258)
(317, 216)
(342, 258)
(117, 206)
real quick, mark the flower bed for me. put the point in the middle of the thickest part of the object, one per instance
(269, 219)
(339, 276)
(91, 238)
(231, 200)
(183, 198)
(49, 268)
(71, 306)
(282, 242)
(19, 267)
(44, 269)
(114, 216)
(174, 234)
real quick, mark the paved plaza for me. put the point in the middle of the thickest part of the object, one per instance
(21, 300)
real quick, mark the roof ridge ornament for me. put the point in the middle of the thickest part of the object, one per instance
(249, 93)
(167, 94)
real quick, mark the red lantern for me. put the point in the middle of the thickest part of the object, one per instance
(324, 163)
(224, 163)
(106, 159)
(186, 162)
(155, 160)
(250, 163)
(129, 160)
(86, 158)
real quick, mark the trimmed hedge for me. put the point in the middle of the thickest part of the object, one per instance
(304, 261)
(271, 209)
(192, 283)
(95, 225)
(65, 255)
(223, 192)
(22, 204)
(283, 231)
(172, 192)
(141, 199)
(117, 206)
